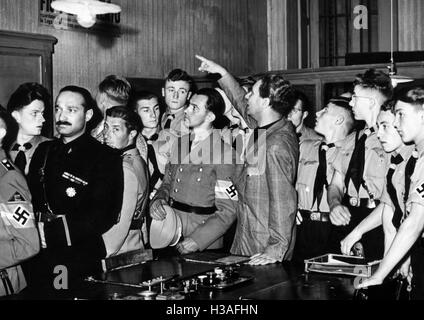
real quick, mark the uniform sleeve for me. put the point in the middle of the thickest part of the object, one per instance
(101, 210)
(416, 191)
(236, 95)
(226, 199)
(115, 237)
(281, 167)
(19, 238)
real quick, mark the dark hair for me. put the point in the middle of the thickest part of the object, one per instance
(132, 120)
(281, 93)
(375, 80)
(342, 102)
(4, 116)
(89, 102)
(216, 105)
(306, 107)
(389, 105)
(116, 88)
(247, 82)
(26, 94)
(140, 95)
(413, 96)
(181, 75)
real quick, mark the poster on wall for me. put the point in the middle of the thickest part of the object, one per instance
(105, 24)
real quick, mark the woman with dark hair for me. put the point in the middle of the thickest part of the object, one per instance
(198, 184)
(27, 105)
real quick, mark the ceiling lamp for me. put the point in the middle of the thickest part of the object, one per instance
(396, 79)
(85, 10)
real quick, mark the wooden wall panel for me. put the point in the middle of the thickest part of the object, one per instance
(158, 35)
(411, 27)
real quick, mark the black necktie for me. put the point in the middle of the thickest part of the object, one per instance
(355, 172)
(151, 156)
(168, 121)
(409, 170)
(20, 160)
(321, 176)
(391, 190)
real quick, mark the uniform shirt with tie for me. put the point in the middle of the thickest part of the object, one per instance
(19, 238)
(308, 170)
(398, 171)
(375, 166)
(202, 177)
(22, 155)
(121, 238)
(175, 123)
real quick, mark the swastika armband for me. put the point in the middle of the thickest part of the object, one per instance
(17, 215)
(420, 190)
(225, 190)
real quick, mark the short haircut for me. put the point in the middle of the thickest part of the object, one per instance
(116, 88)
(132, 120)
(140, 95)
(216, 105)
(25, 94)
(343, 103)
(389, 105)
(181, 75)
(247, 82)
(413, 96)
(375, 80)
(281, 93)
(89, 102)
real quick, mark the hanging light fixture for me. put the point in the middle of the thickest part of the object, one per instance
(85, 10)
(396, 79)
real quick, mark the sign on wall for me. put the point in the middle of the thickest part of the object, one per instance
(105, 24)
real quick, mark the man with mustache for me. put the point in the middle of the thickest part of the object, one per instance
(27, 105)
(77, 188)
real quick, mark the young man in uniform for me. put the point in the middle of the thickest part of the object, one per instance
(198, 182)
(267, 207)
(130, 233)
(391, 209)
(77, 187)
(112, 91)
(335, 122)
(361, 166)
(18, 233)
(177, 90)
(27, 105)
(409, 238)
(151, 142)
(302, 112)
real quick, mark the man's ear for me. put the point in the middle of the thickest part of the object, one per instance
(88, 115)
(133, 134)
(266, 102)
(340, 120)
(189, 95)
(304, 115)
(163, 92)
(17, 116)
(211, 116)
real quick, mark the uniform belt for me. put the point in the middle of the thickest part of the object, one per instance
(46, 217)
(360, 202)
(187, 208)
(315, 215)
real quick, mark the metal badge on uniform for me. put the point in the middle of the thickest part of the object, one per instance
(353, 201)
(71, 192)
(17, 197)
(7, 164)
(420, 190)
(74, 179)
